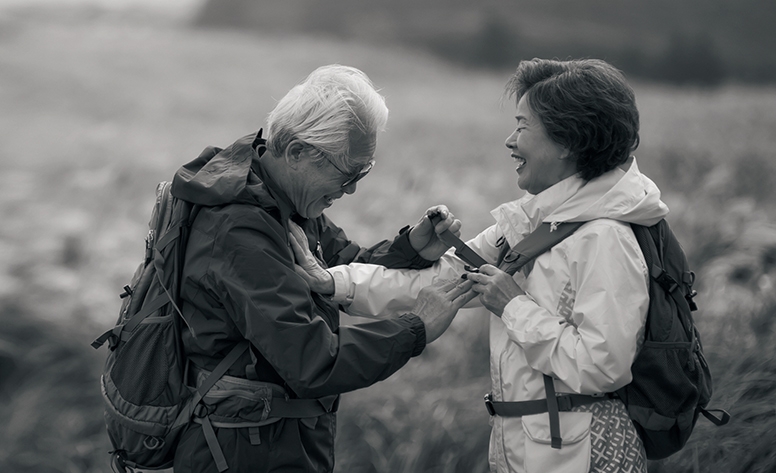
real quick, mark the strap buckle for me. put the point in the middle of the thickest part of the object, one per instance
(564, 403)
(202, 410)
(489, 404)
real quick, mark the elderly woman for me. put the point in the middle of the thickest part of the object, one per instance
(577, 315)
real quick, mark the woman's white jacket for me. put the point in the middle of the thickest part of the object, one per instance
(582, 317)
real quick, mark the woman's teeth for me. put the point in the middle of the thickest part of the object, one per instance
(520, 163)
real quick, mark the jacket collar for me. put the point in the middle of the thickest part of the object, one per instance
(622, 194)
(230, 176)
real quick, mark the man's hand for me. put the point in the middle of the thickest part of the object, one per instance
(495, 287)
(307, 266)
(437, 305)
(423, 236)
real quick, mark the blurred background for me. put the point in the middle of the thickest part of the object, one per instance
(102, 99)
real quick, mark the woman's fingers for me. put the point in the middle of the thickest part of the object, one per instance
(298, 238)
(486, 274)
(489, 270)
(477, 278)
(297, 249)
(300, 248)
(297, 233)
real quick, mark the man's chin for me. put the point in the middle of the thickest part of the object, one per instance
(316, 212)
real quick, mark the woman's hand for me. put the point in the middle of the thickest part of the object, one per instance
(307, 266)
(438, 304)
(495, 287)
(423, 236)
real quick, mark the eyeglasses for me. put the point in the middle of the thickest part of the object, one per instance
(352, 178)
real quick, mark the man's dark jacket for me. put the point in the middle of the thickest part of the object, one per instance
(239, 283)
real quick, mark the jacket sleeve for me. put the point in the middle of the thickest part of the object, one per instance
(368, 290)
(591, 344)
(338, 249)
(252, 271)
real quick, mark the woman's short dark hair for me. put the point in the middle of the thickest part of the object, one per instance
(585, 105)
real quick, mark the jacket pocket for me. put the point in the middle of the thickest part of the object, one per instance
(574, 454)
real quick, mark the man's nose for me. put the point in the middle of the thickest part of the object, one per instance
(350, 188)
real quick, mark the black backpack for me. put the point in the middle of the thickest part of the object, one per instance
(147, 402)
(671, 383)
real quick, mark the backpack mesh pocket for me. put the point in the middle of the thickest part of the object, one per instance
(147, 377)
(664, 379)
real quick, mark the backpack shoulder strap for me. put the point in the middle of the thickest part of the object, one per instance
(537, 242)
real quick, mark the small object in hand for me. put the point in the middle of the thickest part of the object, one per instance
(470, 269)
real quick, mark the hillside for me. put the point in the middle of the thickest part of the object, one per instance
(695, 41)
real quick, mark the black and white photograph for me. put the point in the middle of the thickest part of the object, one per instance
(364, 236)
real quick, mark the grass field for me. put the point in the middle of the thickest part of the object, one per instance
(96, 109)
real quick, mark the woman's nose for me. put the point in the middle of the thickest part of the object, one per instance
(511, 140)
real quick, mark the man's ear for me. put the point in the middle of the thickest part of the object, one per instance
(295, 153)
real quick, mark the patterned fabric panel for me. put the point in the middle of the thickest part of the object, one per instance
(616, 447)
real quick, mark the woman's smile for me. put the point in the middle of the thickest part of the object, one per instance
(519, 161)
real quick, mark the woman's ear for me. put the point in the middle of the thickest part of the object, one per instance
(294, 154)
(566, 154)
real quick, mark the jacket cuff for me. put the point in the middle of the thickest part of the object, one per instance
(418, 329)
(343, 289)
(513, 306)
(402, 244)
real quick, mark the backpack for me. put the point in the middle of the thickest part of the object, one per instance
(147, 403)
(671, 383)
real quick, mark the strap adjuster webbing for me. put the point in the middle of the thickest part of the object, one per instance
(552, 409)
(212, 443)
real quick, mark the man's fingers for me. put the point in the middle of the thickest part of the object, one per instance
(452, 287)
(455, 228)
(462, 286)
(464, 298)
(437, 211)
(435, 215)
(459, 287)
(440, 218)
(446, 285)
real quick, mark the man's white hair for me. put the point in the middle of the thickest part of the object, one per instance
(324, 109)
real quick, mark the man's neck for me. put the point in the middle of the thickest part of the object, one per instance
(275, 174)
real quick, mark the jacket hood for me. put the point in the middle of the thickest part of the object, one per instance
(226, 176)
(623, 194)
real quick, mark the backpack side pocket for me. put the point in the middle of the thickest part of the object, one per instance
(574, 454)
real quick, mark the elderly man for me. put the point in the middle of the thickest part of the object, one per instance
(240, 282)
